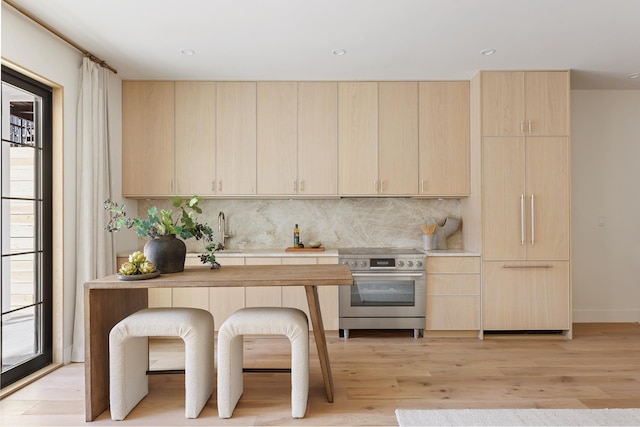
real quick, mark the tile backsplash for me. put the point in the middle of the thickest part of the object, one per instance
(337, 223)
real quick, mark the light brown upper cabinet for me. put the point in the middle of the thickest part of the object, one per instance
(317, 138)
(147, 138)
(236, 138)
(302, 139)
(357, 138)
(277, 145)
(532, 103)
(397, 138)
(444, 139)
(195, 140)
(297, 138)
(377, 138)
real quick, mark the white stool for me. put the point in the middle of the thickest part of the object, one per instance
(129, 356)
(262, 321)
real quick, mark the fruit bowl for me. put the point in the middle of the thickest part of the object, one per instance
(315, 244)
(130, 277)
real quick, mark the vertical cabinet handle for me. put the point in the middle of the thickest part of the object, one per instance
(529, 126)
(422, 185)
(381, 186)
(522, 126)
(301, 186)
(294, 186)
(220, 185)
(533, 221)
(375, 186)
(213, 185)
(522, 219)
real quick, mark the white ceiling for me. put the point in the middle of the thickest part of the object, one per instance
(384, 39)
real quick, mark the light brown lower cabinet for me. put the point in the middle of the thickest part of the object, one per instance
(525, 295)
(453, 293)
(222, 302)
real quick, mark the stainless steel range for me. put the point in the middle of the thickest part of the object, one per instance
(389, 290)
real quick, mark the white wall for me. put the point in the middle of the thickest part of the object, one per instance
(27, 45)
(606, 184)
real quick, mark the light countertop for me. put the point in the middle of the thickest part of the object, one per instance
(279, 253)
(451, 252)
(266, 253)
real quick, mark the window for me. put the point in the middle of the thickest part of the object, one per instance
(26, 232)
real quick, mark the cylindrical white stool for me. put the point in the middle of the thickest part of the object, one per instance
(129, 356)
(290, 322)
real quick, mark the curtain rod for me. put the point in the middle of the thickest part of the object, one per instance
(60, 36)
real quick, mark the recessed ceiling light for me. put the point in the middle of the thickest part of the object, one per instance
(188, 52)
(339, 52)
(488, 52)
(633, 75)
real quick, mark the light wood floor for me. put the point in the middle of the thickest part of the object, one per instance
(374, 373)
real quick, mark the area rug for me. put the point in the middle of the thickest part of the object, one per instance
(518, 417)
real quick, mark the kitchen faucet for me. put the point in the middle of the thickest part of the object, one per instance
(221, 229)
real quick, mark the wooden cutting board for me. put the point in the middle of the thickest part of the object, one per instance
(292, 249)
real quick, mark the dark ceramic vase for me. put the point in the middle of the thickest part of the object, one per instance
(167, 253)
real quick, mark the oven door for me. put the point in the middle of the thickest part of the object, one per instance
(384, 294)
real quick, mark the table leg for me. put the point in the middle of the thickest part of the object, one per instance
(103, 308)
(321, 342)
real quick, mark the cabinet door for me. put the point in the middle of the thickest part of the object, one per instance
(317, 138)
(357, 138)
(263, 296)
(195, 145)
(191, 297)
(453, 301)
(147, 138)
(444, 139)
(547, 102)
(502, 103)
(328, 296)
(503, 198)
(295, 296)
(277, 138)
(453, 264)
(525, 295)
(398, 138)
(223, 302)
(236, 138)
(548, 196)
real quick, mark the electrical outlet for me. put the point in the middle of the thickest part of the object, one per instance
(601, 221)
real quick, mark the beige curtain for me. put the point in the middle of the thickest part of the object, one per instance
(94, 246)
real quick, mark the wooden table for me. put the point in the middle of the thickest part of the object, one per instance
(109, 300)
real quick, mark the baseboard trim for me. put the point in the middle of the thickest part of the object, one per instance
(606, 316)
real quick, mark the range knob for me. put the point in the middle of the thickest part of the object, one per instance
(354, 264)
(409, 263)
(363, 263)
(418, 263)
(400, 263)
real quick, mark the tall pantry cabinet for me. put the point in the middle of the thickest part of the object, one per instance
(525, 187)
(148, 134)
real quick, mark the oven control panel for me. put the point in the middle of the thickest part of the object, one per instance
(384, 264)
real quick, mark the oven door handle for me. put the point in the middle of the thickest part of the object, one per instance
(382, 275)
